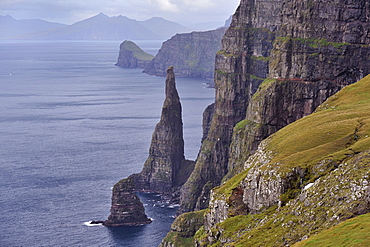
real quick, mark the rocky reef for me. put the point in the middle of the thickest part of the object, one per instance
(132, 56)
(192, 54)
(126, 208)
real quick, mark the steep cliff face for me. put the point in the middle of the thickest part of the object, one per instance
(280, 41)
(276, 104)
(132, 56)
(192, 54)
(241, 65)
(126, 209)
(306, 177)
(166, 168)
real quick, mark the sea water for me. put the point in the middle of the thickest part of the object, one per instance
(72, 125)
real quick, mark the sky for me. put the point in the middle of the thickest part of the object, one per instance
(71, 11)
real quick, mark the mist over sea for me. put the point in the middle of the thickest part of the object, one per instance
(72, 125)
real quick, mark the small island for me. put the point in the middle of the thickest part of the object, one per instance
(132, 56)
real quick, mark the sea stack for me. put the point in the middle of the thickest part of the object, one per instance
(126, 209)
(166, 168)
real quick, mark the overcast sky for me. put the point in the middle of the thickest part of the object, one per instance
(70, 11)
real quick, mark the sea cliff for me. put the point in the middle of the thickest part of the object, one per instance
(299, 69)
(285, 151)
(279, 62)
(192, 54)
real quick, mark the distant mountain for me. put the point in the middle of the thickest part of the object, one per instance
(10, 27)
(164, 28)
(103, 27)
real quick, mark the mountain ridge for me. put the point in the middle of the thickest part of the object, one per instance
(103, 27)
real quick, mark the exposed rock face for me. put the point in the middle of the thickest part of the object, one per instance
(241, 65)
(305, 178)
(126, 209)
(132, 56)
(192, 54)
(183, 229)
(166, 168)
(275, 105)
(310, 49)
(207, 118)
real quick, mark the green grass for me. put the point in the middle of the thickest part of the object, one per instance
(353, 232)
(314, 43)
(340, 126)
(338, 130)
(137, 51)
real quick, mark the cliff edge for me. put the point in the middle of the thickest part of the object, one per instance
(192, 54)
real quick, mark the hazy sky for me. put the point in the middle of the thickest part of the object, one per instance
(70, 11)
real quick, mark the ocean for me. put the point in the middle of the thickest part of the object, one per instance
(72, 124)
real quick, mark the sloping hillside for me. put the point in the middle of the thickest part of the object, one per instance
(307, 177)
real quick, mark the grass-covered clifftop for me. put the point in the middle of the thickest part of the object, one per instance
(132, 56)
(307, 177)
(136, 50)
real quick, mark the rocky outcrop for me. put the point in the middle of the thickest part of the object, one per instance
(126, 208)
(307, 177)
(192, 54)
(183, 230)
(132, 56)
(298, 48)
(276, 104)
(166, 167)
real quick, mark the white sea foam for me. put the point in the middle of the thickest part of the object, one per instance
(88, 223)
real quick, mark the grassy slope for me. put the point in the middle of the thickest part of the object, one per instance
(353, 232)
(137, 51)
(338, 129)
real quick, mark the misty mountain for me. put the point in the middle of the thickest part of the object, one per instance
(10, 27)
(164, 28)
(103, 27)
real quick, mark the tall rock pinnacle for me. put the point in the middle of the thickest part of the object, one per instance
(166, 168)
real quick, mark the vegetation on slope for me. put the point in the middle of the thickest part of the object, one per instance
(332, 147)
(136, 50)
(353, 232)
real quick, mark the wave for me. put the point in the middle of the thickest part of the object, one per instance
(90, 223)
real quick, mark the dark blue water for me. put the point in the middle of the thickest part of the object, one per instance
(72, 125)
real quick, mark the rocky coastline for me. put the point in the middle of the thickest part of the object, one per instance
(288, 130)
